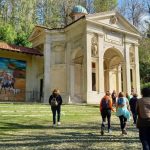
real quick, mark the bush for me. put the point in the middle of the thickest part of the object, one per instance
(145, 85)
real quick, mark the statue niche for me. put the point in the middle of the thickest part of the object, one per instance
(94, 46)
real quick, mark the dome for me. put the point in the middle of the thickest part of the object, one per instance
(79, 9)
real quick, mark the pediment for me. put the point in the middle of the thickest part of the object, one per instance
(114, 21)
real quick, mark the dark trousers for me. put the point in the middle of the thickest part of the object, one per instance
(54, 110)
(106, 113)
(144, 134)
(134, 115)
(114, 101)
(123, 122)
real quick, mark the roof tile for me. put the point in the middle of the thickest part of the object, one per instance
(21, 49)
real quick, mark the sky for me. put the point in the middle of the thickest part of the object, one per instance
(119, 2)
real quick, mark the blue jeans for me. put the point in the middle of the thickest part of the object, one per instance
(144, 134)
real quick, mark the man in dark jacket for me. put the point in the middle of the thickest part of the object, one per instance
(132, 103)
(55, 101)
(143, 122)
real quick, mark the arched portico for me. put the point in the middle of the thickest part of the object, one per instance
(113, 64)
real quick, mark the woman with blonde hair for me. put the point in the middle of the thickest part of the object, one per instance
(122, 111)
(55, 101)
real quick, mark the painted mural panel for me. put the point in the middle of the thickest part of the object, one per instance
(12, 79)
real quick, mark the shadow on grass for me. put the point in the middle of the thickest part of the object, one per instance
(13, 126)
(84, 135)
(88, 126)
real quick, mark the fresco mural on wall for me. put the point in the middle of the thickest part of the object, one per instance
(12, 79)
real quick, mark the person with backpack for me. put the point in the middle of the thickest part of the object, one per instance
(122, 111)
(55, 100)
(105, 109)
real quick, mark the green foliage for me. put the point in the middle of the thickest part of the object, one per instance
(17, 21)
(22, 40)
(104, 5)
(22, 15)
(145, 72)
(7, 33)
(145, 85)
(144, 57)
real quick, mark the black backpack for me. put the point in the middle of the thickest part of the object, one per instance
(54, 102)
(105, 103)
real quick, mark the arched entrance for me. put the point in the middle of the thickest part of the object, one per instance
(77, 80)
(113, 63)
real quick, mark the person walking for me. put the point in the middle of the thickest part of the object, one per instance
(132, 103)
(55, 100)
(114, 97)
(122, 111)
(128, 97)
(105, 109)
(143, 121)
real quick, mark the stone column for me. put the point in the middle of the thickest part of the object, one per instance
(72, 80)
(106, 77)
(124, 77)
(87, 68)
(88, 63)
(126, 70)
(97, 75)
(29, 83)
(101, 63)
(47, 60)
(119, 86)
(84, 41)
(68, 70)
(137, 73)
(134, 76)
(35, 81)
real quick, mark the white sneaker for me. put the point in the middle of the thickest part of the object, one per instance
(109, 131)
(59, 123)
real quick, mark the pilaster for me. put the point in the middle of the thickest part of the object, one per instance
(68, 70)
(47, 58)
(101, 63)
(88, 63)
(119, 87)
(137, 73)
(126, 70)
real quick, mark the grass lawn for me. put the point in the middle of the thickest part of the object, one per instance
(29, 127)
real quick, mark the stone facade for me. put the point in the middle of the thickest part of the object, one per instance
(96, 53)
